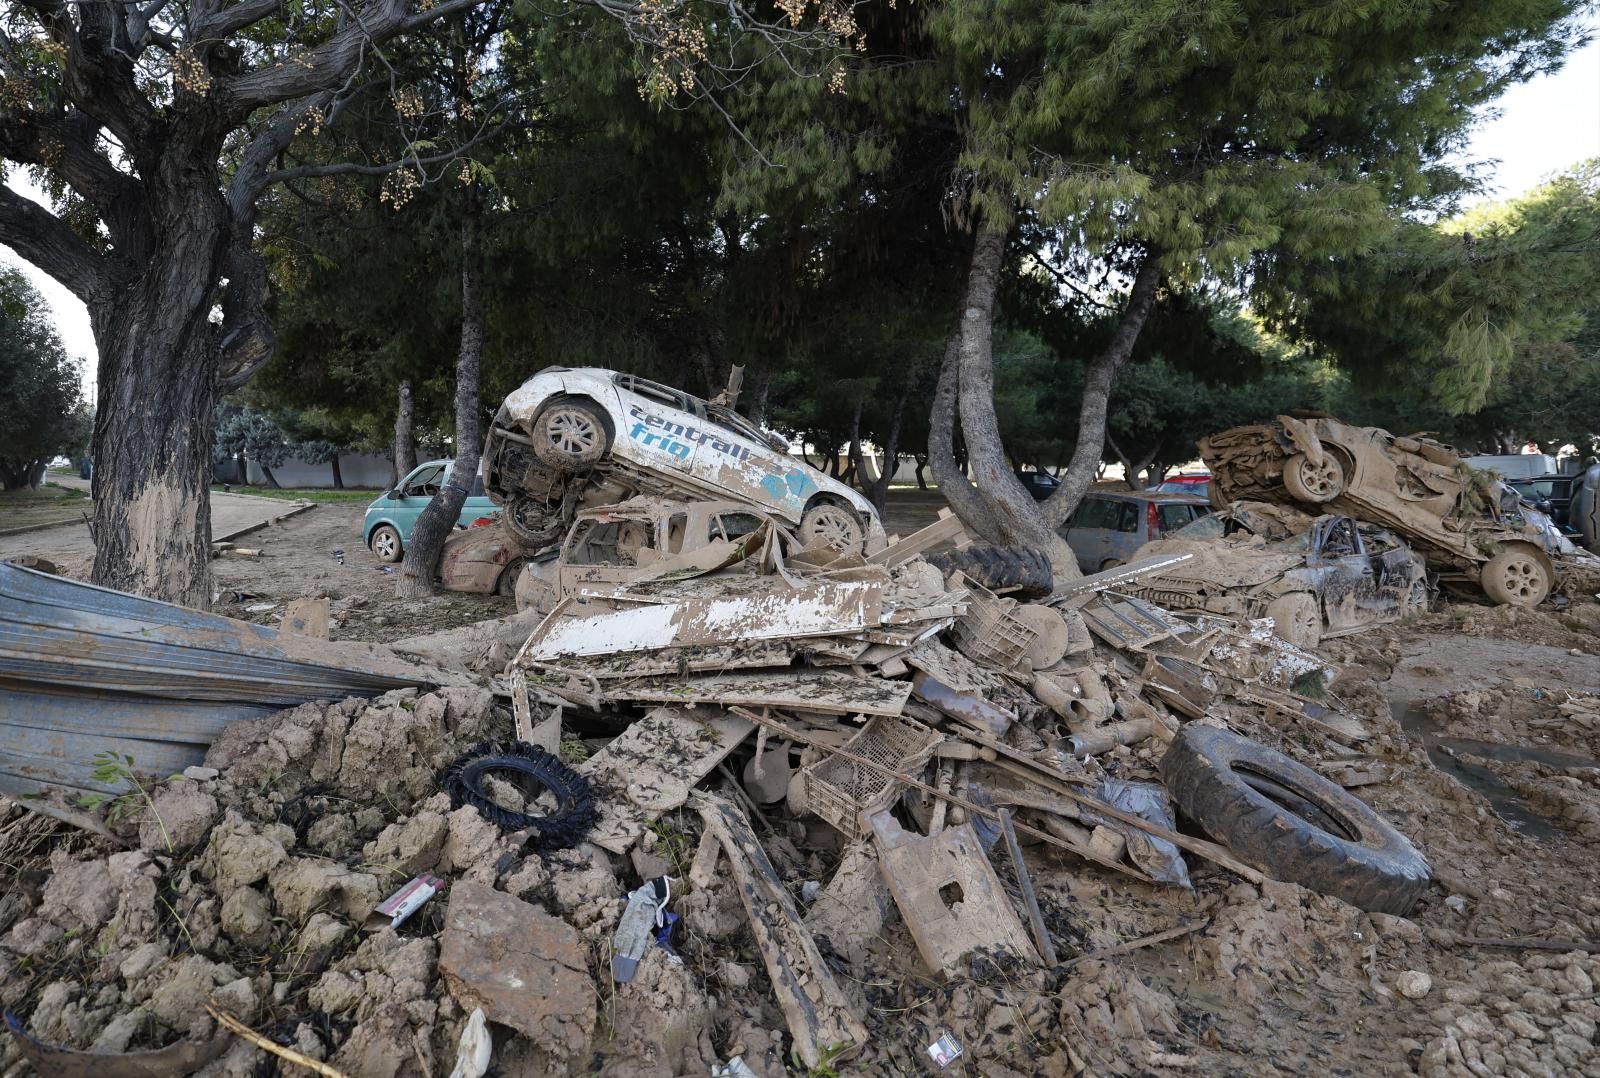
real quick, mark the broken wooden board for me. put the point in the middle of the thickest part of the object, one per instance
(1132, 624)
(830, 691)
(947, 527)
(1094, 583)
(652, 767)
(818, 1015)
(817, 609)
(307, 617)
(948, 894)
(755, 655)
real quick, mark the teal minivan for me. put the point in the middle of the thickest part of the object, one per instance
(390, 518)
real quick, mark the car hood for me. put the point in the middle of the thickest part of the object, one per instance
(1220, 564)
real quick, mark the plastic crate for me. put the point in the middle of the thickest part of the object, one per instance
(840, 790)
(987, 633)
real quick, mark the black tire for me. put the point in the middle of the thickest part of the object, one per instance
(1290, 822)
(1023, 572)
(507, 584)
(575, 814)
(531, 522)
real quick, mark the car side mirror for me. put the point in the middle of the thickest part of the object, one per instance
(396, 493)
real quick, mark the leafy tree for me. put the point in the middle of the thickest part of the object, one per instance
(158, 129)
(1162, 145)
(41, 405)
(242, 430)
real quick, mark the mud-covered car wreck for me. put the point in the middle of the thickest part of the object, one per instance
(1314, 578)
(1467, 524)
(571, 438)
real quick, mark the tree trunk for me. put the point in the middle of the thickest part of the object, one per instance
(36, 474)
(266, 473)
(947, 472)
(755, 398)
(405, 439)
(338, 480)
(854, 473)
(1014, 516)
(891, 451)
(1102, 372)
(922, 463)
(440, 515)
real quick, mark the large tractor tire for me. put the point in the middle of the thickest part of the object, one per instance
(1023, 572)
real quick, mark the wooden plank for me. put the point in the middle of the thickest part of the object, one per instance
(817, 609)
(826, 690)
(947, 527)
(948, 894)
(1041, 934)
(817, 1013)
(308, 617)
(653, 766)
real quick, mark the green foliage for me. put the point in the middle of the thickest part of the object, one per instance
(42, 411)
(247, 430)
(117, 769)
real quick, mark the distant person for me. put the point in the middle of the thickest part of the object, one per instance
(85, 467)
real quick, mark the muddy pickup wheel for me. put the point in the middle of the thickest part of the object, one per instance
(1023, 572)
(1316, 483)
(1296, 618)
(1290, 822)
(1516, 577)
(570, 435)
(835, 525)
(386, 544)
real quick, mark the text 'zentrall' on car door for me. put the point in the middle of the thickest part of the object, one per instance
(661, 431)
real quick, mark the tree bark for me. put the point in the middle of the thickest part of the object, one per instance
(266, 473)
(879, 493)
(157, 393)
(950, 475)
(1103, 369)
(854, 473)
(440, 515)
(338, 480)
(405, 438)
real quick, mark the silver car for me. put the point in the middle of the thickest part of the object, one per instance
(1107, 527)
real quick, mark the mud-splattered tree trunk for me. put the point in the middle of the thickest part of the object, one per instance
(440, 515)
(405, 438)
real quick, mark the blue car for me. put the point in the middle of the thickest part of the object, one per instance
(390, 518)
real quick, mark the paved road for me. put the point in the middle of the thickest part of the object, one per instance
(69, 547)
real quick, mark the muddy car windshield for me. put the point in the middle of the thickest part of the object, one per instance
(1205, 528)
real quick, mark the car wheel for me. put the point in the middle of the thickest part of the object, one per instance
(1296, 620)
(1516, 577)
(1315, 483)
(529, 522)
(570, 436)
(385, 543)
(1290, 822)
(835, 525)
(507, 584)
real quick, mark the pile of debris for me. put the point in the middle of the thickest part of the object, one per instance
(724, 727)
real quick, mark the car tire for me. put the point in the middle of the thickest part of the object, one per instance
(834, 524)
(1021, 571)
(1313, 483)
(1290, 822)
(1515, 577)
(507, 584)
(385, 543)
(465, 781)
(570, 435)
(1296, 619)
(527, 519)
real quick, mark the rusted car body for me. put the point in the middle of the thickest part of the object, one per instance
(1467, 524)
(1315, 578)
(617, 544)
(482, 559)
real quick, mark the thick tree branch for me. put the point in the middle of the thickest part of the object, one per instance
(100, 74)
(210, 25)
(331, 64)
(43, 239)
(65, 144)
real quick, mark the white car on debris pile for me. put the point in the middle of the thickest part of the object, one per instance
(582, 437)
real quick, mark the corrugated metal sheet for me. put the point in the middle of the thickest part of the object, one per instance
(85, 670)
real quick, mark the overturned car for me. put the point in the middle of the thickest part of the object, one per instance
(1467, 524)
(571, 438)
(1314, 578)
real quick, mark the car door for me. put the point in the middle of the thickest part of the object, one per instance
(738, 459)
(416, 491)
(1349, 575)
(1086, 531)
(663, 430)
(1128, 532)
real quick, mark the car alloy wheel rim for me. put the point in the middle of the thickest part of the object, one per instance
(835, 530)
(1321, 478)
(571, 432)
(385, 545)
(1518, 578)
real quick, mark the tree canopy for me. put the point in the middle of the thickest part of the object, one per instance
(42, 412)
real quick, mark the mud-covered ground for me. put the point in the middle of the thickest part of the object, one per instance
(1484, 724)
